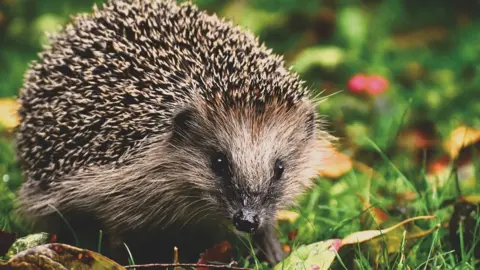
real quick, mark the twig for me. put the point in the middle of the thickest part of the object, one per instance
(218, 266)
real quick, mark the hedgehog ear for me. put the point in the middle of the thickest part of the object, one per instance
(182, 123)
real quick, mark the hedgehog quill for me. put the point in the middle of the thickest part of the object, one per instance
(161, 125)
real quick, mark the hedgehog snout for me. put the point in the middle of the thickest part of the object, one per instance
(246, 220)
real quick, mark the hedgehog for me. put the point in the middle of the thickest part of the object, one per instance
(159, 123)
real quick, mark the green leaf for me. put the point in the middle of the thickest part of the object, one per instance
(27, 242)
(328, 57)
(316, 256)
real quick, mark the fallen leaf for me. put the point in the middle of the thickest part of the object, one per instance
(318, 255)
(473, 199)
(29, 241)
(389, 243)
(219, 253)
(287, 215)
(359, 237)
(8, 113)
(335, 164)
(59, 256)
(6, 241)
(459, 138)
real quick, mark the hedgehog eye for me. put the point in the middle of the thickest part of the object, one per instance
(278, 169)
(220, 164)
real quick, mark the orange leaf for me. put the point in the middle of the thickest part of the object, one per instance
(335, 164)
(8, 113)
(439, 165)
(459, 138)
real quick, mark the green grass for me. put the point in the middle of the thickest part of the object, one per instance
(434, 87)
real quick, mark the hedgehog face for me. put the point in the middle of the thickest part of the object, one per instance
(251, 162)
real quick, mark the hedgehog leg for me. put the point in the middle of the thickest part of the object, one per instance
(269, 245)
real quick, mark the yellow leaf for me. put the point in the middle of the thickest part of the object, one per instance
(8, 113)
(422, 233)
(359, 237)
(473, 199)
(286, 215)
(459, 138)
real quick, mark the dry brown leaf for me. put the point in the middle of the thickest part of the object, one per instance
(59, 256)
(459, 138)
(8, 113)
(221, 253)
(335, 164)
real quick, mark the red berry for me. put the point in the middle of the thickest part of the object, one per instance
(358, 83)
(376, 85)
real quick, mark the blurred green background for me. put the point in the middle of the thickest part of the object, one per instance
(428, 52)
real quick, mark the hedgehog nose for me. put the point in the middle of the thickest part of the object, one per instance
(246, 221)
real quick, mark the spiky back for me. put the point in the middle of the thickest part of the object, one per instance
(115, 77)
